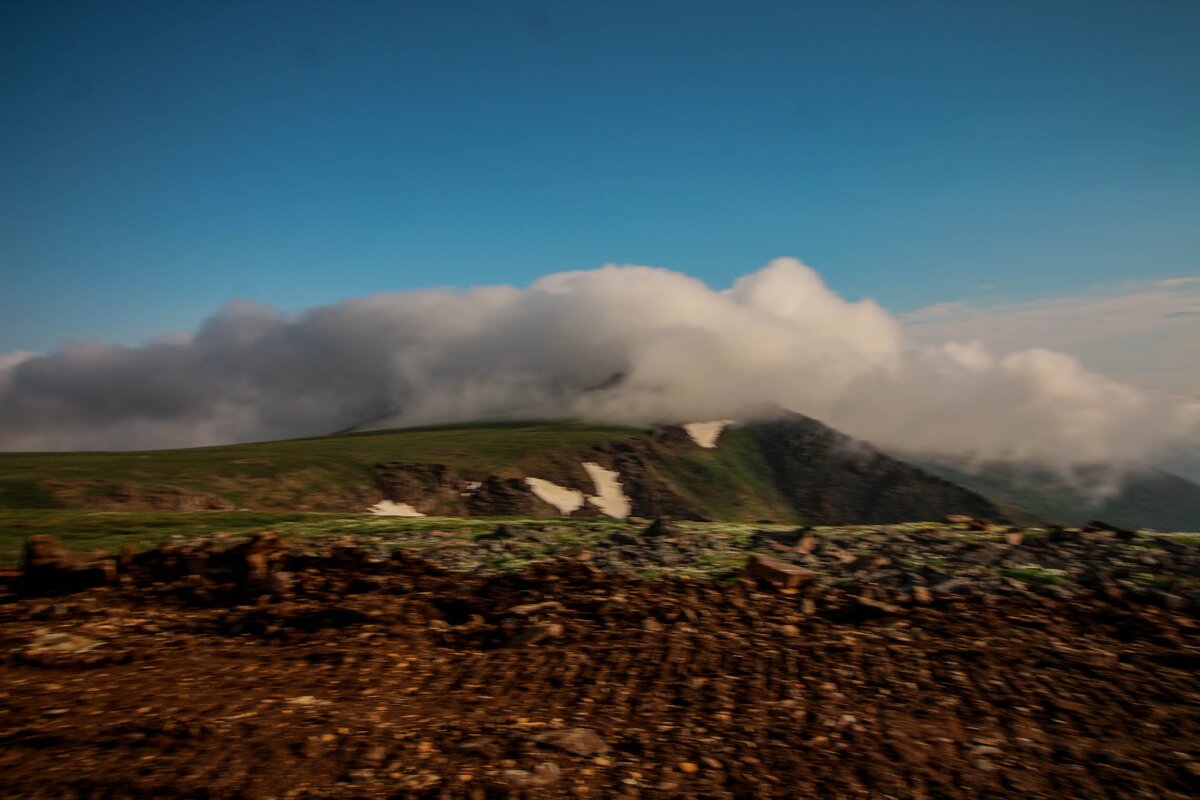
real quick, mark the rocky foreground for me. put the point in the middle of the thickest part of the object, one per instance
(925, 662)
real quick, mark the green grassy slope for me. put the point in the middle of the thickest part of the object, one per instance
(333, 473)
(792, 470)
(731, 481)
(316, 474)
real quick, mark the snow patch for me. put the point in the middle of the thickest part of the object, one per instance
(610, 498)
(706, 434)
(386, 508)
(564, 499)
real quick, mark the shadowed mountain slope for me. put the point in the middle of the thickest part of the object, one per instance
(1144, 497)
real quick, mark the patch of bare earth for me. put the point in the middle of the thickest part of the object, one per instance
(98, 493)
(256, 672)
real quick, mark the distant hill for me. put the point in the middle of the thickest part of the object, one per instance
(1148, 497)
(1183, 462)
(790, 469)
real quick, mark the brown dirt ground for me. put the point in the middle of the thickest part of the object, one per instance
(400, 680)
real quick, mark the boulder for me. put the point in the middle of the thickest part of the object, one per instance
(778, 573)
(579, 741)
(46, 568)
(660, 527)
(1100, 526)
(253, 561)
(43, 551)
(1058, 534)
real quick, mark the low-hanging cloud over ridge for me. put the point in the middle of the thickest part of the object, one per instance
(684, 351)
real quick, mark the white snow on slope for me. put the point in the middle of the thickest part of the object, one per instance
(564, 499)
(610, 498)
(386, 508)
(706, 434)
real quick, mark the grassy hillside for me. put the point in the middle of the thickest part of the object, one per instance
(330, 473)
(334, 473)
(731, 482)
(789, 470)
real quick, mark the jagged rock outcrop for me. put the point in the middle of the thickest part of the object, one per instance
(507, 497)
(440, 490)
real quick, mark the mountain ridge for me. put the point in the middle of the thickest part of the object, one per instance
(790, 468)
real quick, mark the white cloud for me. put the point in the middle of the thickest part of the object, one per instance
(1146, 334)
(1178, 281)
(683, 351)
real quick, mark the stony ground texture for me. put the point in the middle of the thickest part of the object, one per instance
(962, 558)
(249, 670)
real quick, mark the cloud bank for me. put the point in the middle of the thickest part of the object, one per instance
(682, 350)
(1146, 333)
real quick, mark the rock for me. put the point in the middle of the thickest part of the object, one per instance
(1053, 590)
(953, 586)
(922, 594)
(253, 561)
(1058, 534)
(279, 583)
(1173, 602)
(58, 649)
(126, 558)
(545, 773)
(46, 568)
(866, 562)
(507, 497)
(503, 532)
(1099, 526)
(959, 519)
(661, 527)
(536, 633)
(1014, 538)
(1190, 771)
(521, 777)
(877, 606)
(41, 551)
(779, 540)
(651, 625)
(579, 741)
(780, 573)
(535, 608)
(986, 553)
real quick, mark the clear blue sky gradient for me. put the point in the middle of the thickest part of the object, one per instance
(160, 158)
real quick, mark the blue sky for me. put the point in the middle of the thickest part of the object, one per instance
(158, 159)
